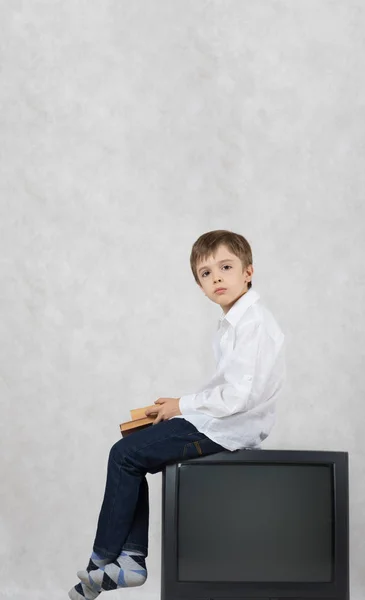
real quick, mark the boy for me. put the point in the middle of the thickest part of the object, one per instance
(235, 410)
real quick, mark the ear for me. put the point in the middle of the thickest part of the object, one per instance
(250, 271)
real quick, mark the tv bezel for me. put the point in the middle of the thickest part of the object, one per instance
(337, 589)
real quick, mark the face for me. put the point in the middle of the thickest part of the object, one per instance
(224, 270)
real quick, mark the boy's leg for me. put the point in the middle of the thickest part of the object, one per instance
(146, 451)
(129, 567)
(137, 538)
(123, 519)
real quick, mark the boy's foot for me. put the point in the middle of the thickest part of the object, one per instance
(82, 592)
(128, 570)
(96, 562)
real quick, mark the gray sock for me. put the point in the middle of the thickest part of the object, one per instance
(82, 591)
(128, 570)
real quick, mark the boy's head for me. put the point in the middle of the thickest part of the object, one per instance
(222, 258)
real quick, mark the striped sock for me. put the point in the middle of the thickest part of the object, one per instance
(128, 570)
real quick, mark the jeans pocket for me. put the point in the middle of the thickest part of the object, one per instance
(192, 449)
(201, 447)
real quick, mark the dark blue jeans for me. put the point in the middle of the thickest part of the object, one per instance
(124, 515)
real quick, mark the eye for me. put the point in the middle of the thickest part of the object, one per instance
(229, 266)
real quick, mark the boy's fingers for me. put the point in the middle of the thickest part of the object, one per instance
(152, 411)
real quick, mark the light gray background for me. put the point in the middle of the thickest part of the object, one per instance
(127, 130)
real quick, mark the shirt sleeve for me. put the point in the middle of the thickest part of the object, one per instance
(233, 395)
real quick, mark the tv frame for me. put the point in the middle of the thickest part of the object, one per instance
(338, 589)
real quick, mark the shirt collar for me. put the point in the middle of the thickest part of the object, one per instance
(240, 306)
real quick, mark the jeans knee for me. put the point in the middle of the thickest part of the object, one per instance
(125, 455)
(128, 456)
(117, 451)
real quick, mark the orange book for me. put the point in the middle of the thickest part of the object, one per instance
(139, 421)
(139, 413)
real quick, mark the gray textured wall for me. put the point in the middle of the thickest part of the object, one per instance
(127, 130)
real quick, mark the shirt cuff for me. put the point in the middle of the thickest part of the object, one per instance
(186, 404)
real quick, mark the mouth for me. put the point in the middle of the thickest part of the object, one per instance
(220, 290)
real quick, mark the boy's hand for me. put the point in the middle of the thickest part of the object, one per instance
(167, 407)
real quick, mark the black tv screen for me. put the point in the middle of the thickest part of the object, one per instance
(256, 524)
(277, 524)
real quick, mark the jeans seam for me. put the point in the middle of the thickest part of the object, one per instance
(102, 552)
(160, 439)
(115, 494)
(132, 545)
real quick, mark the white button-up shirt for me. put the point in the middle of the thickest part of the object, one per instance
(236, 408)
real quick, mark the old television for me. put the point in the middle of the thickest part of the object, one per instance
(256, 525)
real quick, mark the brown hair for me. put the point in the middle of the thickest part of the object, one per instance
(208, 243)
